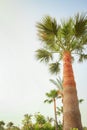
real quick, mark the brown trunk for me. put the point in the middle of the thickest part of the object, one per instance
(72, 117)
(56, 123)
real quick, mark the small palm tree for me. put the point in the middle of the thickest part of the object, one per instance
(27, 122)
(50, 119)
(2, 125)
(10, 125)
(27, 119)
(51, 97)
(64, 41)
(58, 83)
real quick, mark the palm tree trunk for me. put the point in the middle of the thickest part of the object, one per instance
(72, 117)
(56, 123)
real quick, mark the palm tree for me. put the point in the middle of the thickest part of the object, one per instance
(58, 83)
(51, 97)
(63, 41)
(2, 125)
(27, 122)
(27, 119)
(10, 125)
(50, 119)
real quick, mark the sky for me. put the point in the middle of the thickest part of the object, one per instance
(24, 80)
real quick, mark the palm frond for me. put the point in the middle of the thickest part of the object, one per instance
(43, 55)
(79, 47)
(52, 94)
(80, 24)
(60, 81)
(48, 25)
(80, 100)
(67, 28)
(82, 57)
(48, 101)
(54, 82)
(59, 110)
(47, 29)
(57, 83)
(54, 68)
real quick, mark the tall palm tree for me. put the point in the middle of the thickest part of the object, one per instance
(63, 41)
(51, 97)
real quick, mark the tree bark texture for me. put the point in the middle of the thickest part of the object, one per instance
(72, 117)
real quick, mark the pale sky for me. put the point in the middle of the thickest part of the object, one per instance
(23, 80)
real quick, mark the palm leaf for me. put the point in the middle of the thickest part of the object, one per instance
(48, 25)
(80, 24)
(48, 101)
(67, 29)
(43, 55)
(82, 57)
(54, 68)
(80, 100)
(57, 83)
(47, 29)
(52, 94)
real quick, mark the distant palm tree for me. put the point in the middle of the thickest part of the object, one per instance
(9, 125)
(63, 41)
(27, 119)
(50, 119)
(59, 85)
(27, 122)
(51, 97)
(2, 125)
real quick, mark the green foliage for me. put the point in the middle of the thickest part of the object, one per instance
(40, 119)
(59, 110)
(85, 128)
(80, 24)
(80, 100)
(27, 119)
(44, 124)
(54, 68)
(52, 94)
(2, 125)
(74, 129)
(43, 55)
(82, 57)
(70, 35)
(47, 29)
(41, 123)
(15, 128)
(27, 122)
(9, 125)
(60, 126)
(58, 83)
(67, 32)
